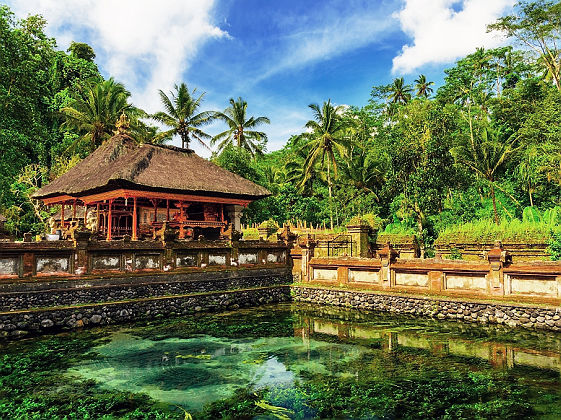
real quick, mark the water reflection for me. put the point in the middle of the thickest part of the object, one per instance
(182, 362)
(500, 355)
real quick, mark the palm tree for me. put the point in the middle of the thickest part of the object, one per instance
(145, 133)
(400, 92)
(423, 87)
(363, 171)
(528, 171)
(485, 155)
(95, 109)
(239, 128)
(182, 116)
(325, 138)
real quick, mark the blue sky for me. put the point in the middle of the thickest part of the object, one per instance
(280, 56)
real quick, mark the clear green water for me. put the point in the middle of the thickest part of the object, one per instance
(310, 362)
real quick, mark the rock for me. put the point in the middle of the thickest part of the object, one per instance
(47, 323)
(95, 319)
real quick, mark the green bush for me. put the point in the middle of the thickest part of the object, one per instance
(369, 219)
(555, 246)
(269, 224)
(396, 238)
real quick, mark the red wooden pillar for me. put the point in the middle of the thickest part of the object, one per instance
(134, 220)
(181, 221)
(62, 217)
(74, 210)
(155, 202)
(109, 220)
(222, 228)
(167, 210)
(98, 220)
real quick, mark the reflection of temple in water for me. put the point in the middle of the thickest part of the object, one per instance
(500, 355)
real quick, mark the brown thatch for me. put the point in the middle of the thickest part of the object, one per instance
(2, 218)
(121, 162)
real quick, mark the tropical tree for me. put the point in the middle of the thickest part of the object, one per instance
(146, 133)
(400, 93)
(95, 109)
(423, 86)
(485, 155)
(326, 138)
(537, 26)
(363, 171)
(240, 127)
(528, 171)
(183, 117)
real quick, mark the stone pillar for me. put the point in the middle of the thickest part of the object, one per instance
(387, 256)
(289, 238)
(235, 215)
(343, 275)
(28, 264)
(436, 280)
(81, 240)
(359, 236)
(497, 258)
(308, 246)
(235, 252)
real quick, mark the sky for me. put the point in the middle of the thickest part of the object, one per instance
(280, 56)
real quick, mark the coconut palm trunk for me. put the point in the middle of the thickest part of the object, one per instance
(330, 189)
(494, 199)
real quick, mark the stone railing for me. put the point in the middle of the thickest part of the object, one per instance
(88, 257)
(496, 277)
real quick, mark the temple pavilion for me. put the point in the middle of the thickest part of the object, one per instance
(127, 188)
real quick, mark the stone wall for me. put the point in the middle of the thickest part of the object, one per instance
(21, 323)
(512, 315)
(18, 296)
(496, 277)
(84, 256)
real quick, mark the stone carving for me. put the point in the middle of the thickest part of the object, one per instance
(91, 221)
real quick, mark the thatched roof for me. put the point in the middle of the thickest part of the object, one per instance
(2, 218)
(122, 162)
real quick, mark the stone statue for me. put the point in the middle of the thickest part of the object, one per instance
(91, 221)
(52, 225)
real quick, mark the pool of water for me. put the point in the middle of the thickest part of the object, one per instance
(295, 361)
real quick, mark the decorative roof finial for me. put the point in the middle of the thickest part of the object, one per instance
(123, 124)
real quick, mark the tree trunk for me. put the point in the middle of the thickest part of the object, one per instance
(494, 203)
(530, 194)
(419, 214)
(330, 192)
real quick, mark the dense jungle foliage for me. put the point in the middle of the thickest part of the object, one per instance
(481, 148)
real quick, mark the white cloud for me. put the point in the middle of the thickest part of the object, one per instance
(145, 44)
(441, 35)
(326, 34)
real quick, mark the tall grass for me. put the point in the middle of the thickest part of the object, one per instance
(486, 231)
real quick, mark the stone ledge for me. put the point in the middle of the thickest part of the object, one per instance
(84, 292)
(121, 278)
(486, 312)
(33, 321)
(448, 295)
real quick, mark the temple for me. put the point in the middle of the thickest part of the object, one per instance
(127, 188)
